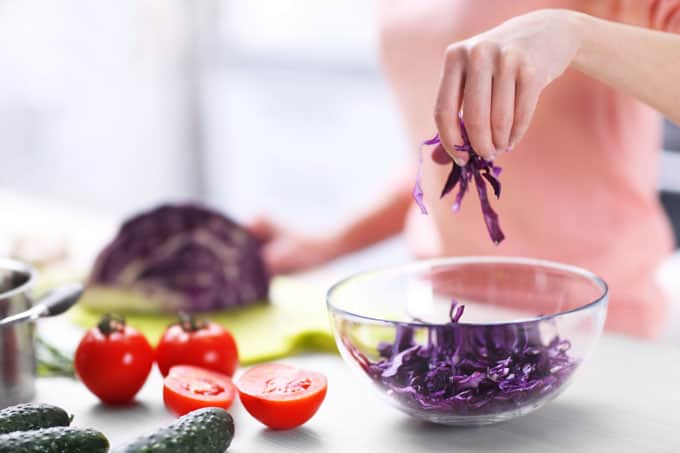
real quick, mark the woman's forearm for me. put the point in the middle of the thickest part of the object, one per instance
(640, 62)
(286, 250)
(381, 220)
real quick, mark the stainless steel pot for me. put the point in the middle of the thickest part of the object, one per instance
(17, 313)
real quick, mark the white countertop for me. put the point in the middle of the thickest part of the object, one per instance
(625, 399)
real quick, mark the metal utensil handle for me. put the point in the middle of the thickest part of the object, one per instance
(53, 303)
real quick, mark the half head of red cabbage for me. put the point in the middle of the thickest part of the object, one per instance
(185, 257)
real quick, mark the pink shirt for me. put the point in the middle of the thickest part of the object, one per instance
(581, 187)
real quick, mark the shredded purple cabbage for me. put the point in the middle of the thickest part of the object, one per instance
(470, 369)
(417, 189)
(478, 169)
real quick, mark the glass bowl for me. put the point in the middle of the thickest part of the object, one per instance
(468, 341)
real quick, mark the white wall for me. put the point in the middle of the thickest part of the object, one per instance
(299, 123)
(95, 102)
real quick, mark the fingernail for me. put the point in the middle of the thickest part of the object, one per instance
(460, 158)
(508, 149)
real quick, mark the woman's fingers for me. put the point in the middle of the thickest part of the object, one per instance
(449, 101)
(527, 90)
(497, 91)
(263, 228)
(503, 101)
(477, 100)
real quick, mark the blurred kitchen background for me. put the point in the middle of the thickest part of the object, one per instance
(249, 105)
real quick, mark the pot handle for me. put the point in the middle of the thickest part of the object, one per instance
(53, 303)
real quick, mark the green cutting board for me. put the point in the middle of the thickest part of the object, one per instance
(295, 321)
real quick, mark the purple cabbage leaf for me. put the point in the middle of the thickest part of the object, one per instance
(478, 169)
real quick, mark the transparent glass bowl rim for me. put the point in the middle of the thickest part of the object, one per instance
(423, 265)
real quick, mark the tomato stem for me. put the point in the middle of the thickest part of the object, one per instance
(111, 323)
(189, 323)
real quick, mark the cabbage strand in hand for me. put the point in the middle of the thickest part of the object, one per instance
(480, 170)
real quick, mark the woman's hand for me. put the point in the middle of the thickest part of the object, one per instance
(496, 78)
(287, 251)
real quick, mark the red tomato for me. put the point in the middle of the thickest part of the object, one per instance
(187, 388)
(113, 360)
(281, 396)
(199, 343)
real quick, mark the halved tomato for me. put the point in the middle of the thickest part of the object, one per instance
(187, 388)
(281, 396)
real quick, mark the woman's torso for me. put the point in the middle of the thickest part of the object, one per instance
(579, 188)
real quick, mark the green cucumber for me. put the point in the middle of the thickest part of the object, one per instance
(208, 430)
(58, 439)
(24, 417)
